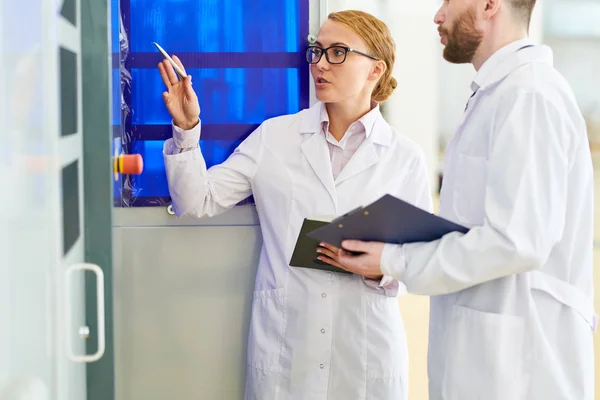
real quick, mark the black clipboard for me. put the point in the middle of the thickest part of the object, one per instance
(389, 220)
(305, 253)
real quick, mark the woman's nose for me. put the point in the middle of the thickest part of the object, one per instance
(322, 62)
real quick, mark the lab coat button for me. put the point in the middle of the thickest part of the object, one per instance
(321, 366)
(323, 330)
(323, 295)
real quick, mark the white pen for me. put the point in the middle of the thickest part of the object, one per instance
(177, 69)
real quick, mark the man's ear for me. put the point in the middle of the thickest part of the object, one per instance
(490, 8)
(378, 70)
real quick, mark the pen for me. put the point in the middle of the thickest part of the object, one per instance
(175, 66)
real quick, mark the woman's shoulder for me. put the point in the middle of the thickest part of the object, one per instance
(293, 120)
(282, 120)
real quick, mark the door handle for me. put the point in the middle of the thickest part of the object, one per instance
(100, 305)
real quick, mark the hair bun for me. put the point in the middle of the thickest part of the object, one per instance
(393, 82)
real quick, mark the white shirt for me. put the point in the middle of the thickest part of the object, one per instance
(512, 317)
(341, 152)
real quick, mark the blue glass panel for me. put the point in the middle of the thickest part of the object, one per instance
(116, 97)
(114, 25)
(236, 92)
(229, 95)
(215, 25)
(153, 181)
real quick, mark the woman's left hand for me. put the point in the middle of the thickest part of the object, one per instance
(329, 254)
(366, 263)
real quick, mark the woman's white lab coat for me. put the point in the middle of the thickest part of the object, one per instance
(313, 335)
(514, 316)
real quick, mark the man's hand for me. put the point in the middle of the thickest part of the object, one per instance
(366, 263)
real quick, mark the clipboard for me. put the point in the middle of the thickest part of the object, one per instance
(305, 253)
(388, 220)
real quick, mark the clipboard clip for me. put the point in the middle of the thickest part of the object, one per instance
(351, 212)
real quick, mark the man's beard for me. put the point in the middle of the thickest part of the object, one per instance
(464, 39)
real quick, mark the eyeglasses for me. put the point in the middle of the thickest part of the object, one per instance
(333, 54)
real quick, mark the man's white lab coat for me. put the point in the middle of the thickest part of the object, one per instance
(513, 316)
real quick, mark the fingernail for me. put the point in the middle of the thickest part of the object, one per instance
(318, 250)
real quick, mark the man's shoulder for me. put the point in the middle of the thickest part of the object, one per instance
(537, 78)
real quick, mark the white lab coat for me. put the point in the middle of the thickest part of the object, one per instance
(514, 316)
(313, 335)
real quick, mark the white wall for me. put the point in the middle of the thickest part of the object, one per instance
(579, 61)
(413, 108)
(573, 33)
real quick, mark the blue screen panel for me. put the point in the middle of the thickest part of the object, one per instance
(247, 63)
(114, 26)
(116, 97)
(228, 95)
(153, 181)
(215, 25)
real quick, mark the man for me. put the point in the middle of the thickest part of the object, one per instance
(512, 311)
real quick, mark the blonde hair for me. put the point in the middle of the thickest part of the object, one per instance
(380, 44)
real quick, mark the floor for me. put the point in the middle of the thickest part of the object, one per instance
(415, 311)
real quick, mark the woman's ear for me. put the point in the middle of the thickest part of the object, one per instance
(378, 70)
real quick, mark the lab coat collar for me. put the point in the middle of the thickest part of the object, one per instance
(315, 149)
(310, 119)
(376, 128)
(367, 121)
(507, 59)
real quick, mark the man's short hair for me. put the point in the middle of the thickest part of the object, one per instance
(523, 9)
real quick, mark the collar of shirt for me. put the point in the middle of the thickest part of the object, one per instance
(488, 72)
(363, 125)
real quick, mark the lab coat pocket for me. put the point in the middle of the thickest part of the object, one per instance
(469, 189)
(485, 356)
(387, 353)
(267, 329)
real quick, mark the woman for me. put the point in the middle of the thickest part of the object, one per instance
(313, 334)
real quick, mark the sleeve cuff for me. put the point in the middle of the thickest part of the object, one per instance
(393, 261)
(186, 139)
(387, 285)
(386, 280)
